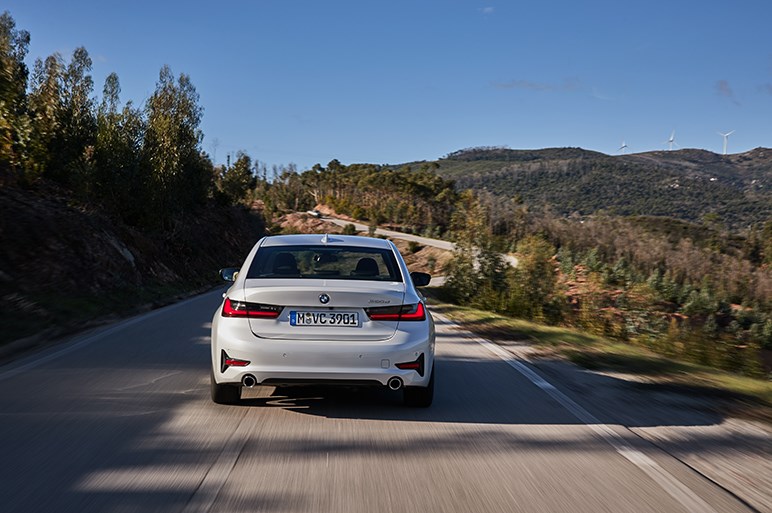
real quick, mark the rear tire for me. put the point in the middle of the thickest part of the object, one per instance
(224, 394)
(420, 397)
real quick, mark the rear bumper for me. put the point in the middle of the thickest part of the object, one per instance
(297, 362)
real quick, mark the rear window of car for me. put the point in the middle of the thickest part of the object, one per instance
(325, 262)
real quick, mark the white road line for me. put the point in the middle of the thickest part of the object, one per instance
(680, 492)
(36, 360)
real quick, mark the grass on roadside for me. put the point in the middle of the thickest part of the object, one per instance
(748, 396)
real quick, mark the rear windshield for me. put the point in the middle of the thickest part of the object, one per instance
(339, 262)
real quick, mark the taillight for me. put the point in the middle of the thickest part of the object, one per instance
(233, 308)
(414, 312)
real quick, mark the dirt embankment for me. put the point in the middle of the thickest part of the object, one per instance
(63, 266)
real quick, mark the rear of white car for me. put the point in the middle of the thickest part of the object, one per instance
(313, 309)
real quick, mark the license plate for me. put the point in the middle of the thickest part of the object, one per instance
(344, 319)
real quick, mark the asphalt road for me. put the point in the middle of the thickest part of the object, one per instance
(120, 420)
(436, 243)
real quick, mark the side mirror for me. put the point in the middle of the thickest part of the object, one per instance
(420, 279)
(229, 273)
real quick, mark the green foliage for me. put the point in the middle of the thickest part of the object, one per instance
(14, 120)
(628, 279)
(64, 124)
(73, 145)
(431, 263)
(119, 181)
(566, 261)
(236, 181)
(404, 196)
(418, 199)
(45, 106)
(766, 334)
(463, 280)
(766, 243)
(144, 165)
(533, 282)
(592, 260)
(467, 282)
(685, 184)
(349, 229)
(180, 180)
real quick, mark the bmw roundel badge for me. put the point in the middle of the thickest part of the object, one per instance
(324, 299)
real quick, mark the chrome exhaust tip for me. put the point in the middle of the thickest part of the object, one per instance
(394, 383)
(249, 381)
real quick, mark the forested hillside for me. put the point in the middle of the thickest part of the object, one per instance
(685, 184)
(691, 290)
(104, 206)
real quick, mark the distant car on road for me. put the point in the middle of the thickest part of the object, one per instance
(314, 213)
(323, 309)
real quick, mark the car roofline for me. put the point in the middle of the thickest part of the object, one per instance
(315, 239)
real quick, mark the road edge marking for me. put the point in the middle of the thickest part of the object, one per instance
(667, 481)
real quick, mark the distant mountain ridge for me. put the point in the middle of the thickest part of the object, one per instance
(685, 184)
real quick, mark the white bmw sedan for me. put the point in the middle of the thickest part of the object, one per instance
(323, 309)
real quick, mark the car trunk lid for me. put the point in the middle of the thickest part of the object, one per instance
(322, 297)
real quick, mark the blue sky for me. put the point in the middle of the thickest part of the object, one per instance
(296, 81)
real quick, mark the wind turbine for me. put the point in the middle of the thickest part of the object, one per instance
(671, 142)
(726, 138)
(623, 147)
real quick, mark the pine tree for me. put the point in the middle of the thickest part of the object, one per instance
(14, 121)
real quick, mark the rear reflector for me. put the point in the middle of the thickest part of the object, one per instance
(226, 361)
(233, 308)
(417, 365)
(414, 312)
(235, 362)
